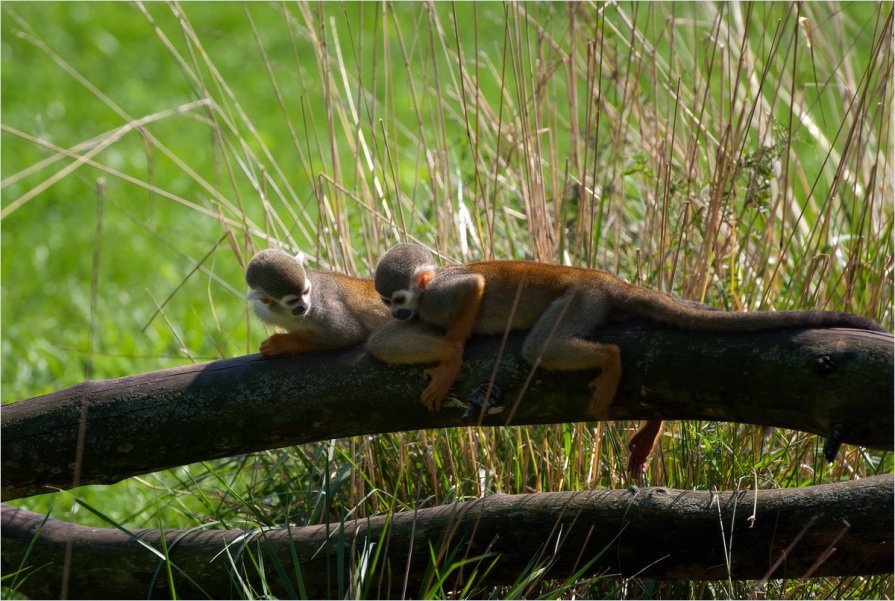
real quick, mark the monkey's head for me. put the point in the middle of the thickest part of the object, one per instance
(401, 277)
(281, 290)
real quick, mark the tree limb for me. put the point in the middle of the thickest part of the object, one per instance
(817, 381)
(651, 533)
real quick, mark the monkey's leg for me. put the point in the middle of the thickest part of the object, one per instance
(288, 344)
(414, 342)
(556, 342)
(642, 444)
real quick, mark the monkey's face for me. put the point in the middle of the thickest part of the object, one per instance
(401, 278)
(281, 290)
(283, 310)
(297, 305)
(403, 302)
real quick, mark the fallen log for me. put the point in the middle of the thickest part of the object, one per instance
(828, 530)
(832, 382)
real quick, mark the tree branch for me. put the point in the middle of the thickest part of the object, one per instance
(652, 533)
(812, 380)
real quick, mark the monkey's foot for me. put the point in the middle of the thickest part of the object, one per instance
(441, 378)
(603, 389)
(282, 344)
(641, 445)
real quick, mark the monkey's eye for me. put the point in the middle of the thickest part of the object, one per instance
(307, 289)
(265, 300)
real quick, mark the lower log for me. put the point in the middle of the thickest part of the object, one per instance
(829, 530)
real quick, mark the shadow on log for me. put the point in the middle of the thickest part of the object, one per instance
(829, 530)
(819, 381)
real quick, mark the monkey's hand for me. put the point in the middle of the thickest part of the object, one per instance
(441, 377)
(641, 445)
(285, 344)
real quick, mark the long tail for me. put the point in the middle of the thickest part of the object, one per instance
(648, 304)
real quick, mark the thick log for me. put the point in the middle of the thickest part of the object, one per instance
(819, 381)
(651, 533)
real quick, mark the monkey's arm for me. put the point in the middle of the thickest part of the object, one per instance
(447, 312)
(461, 294)
(465, 293)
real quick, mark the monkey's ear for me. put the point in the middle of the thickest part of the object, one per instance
(300, 257)
(423, 277)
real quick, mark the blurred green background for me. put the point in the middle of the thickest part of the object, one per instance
(148, 244)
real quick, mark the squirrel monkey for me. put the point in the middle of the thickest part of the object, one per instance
(318, 310)
(559, 306)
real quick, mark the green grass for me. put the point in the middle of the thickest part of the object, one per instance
(732, 163)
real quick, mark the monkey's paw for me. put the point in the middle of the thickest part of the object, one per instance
(433, 396)
(279, 345)
(441, 378)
